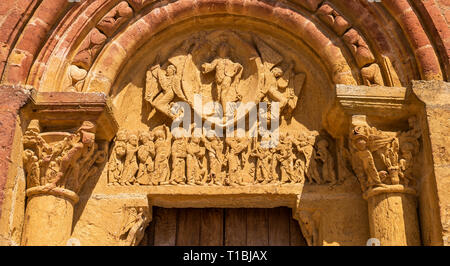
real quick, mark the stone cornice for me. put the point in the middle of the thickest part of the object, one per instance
(64, 110)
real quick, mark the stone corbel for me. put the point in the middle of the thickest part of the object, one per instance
(310, 224)
(135, 221)
(65, 144)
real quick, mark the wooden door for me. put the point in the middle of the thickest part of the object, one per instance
(223, 227)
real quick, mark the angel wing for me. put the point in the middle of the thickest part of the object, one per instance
(295, 88)
(269, 56)
(152, 88)
(187, 74)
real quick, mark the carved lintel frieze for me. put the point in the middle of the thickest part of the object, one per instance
(156, 158)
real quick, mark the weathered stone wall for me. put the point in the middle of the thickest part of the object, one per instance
(12, 178)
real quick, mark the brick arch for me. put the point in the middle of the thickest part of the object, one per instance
(50, 29)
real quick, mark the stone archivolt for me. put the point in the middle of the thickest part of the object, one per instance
(368, 49)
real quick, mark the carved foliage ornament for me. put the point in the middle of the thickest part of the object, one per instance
(61, 159)
(381, 158)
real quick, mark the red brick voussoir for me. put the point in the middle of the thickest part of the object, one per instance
(12, 98)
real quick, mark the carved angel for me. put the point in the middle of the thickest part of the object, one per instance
(162, 86)
(283, 86)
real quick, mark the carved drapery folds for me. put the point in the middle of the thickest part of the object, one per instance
(157, 158)
(61, 159)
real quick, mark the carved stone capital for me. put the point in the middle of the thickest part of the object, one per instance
(65, 142)
(58, 162)
(384, 161)
(389, 189)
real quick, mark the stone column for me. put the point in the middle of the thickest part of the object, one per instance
(57, 165)
(48, 217)
(392, 215)
(383, 162)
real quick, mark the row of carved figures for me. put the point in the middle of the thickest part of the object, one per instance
(155, 158)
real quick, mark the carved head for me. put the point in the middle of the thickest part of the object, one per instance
(360, 143)
(159, 134)
(145, 136)
(277, 72)
(120, 150)
(171, 70)
(133, 140)
(121, 135)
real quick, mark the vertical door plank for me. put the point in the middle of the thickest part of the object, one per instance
(257, 227)
(279, 225)
(150, 232)
(188, 233)
(296, 236)
(149, 235)
(211, 230)
(165, 226)
(235, 227)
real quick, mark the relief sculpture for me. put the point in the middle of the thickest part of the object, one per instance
(383, 158)
(210, 160)
(61, 159)
(222, 67)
